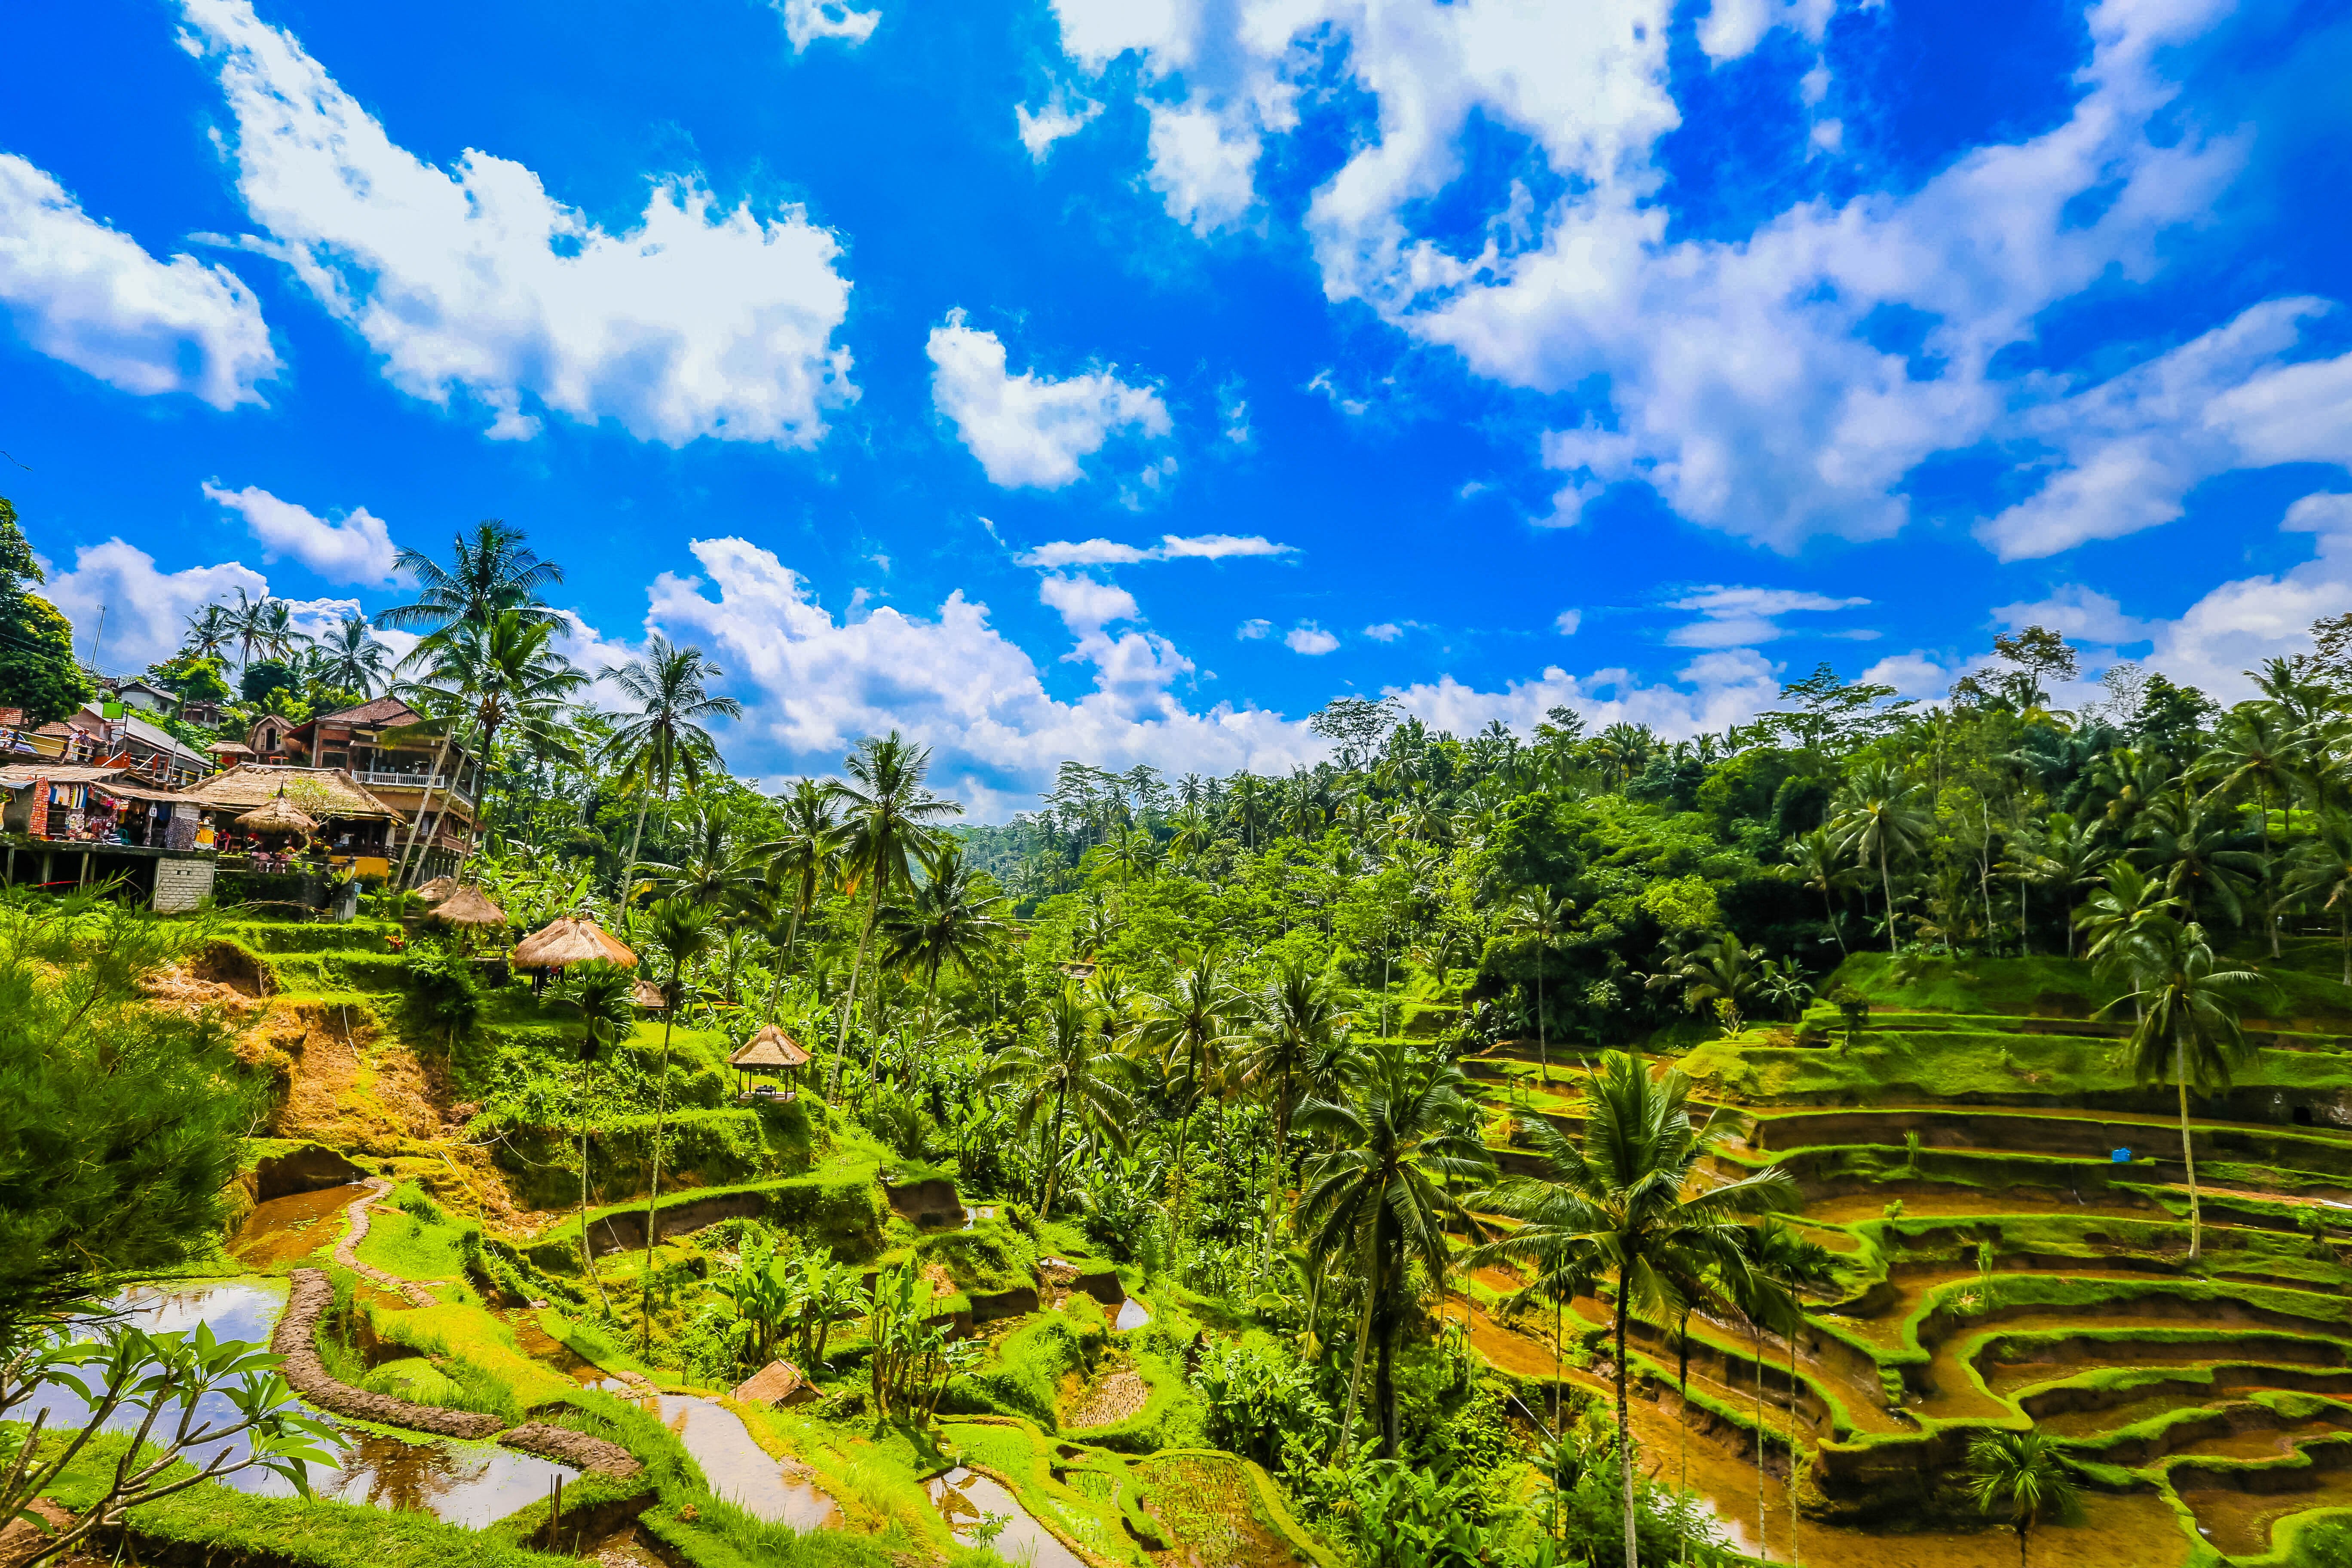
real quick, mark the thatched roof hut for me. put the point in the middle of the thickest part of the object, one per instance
(648, 995)
(278, 815)
(765, 1053)
(438, 888)
(570, 940)
(778, 1382)
(249, 785)
(469, 906)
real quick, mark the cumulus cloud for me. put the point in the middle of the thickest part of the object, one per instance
(145, 610)
(1060, 117)
(2129, 449)
(476, 282)
(1028, 429)
(1740, 618)
(356, 549)
(1252, 630)
(81, 291)
(806, 21)
(1386, 631)
(1567, 621)
(2073, 611)
(1308, 638)
(1716, 690)
(1743, 377)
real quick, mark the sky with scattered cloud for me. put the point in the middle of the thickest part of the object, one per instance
(1124, 380)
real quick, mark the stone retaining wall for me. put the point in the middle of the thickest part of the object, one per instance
(296, 1339)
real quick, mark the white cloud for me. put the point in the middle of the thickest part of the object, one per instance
(358, 549)
(1354, 408)
(1060, 117)
(1567, 621)
(1220, 546)
(146, 611)
(1204, 164)
(2074, 611)
(1740, 618)
(1386, 631)
(1027, 429)
(806, 21)
(1915, 675)
(1718, 690)
(1252, 630)
(2130, 448)
(1308, 638)
(1734, 370)
(702, 321)
(1062, 553)
(79, 291)
(813, 684)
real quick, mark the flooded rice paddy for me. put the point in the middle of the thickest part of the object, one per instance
(969, 1502)
(737, 1469)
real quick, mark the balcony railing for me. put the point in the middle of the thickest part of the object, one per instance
(461, 788)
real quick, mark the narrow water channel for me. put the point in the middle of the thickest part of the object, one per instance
(971, 1502)
(470, 1484)
(737, 1469)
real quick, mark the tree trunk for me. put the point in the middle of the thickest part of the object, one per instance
(405, 878)
(1053, 1156)
(1887, 889)
(1829, 913)
(2270, 871)
(1626, 1427)
(1183, 1138)
(849, 999)
(636, 839)
(1763, 1531)
(1364, 1339)
(587, 1259)
(1794, 1556)
(1543, 1050)
(653, 1200)
(1682, 1411)
(1384, 1388)
(2188, 1155)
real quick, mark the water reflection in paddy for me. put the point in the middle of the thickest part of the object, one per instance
(459, 1483)
(289, 1229)
(737, 1469)
(966, 1498)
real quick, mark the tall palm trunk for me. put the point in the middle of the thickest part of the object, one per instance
(2270, 869)
(489, 740)
(1053, 1156)
(653, 1202)
(1183, 1141)
(636, 839)
(587, 1259)
(849, 999)
(1543, 1049)
(1793, 1555)
(1763, 1529)
(424, 807)
(1363, 1331)
(1829, 913)
(2188, 1154)
(1625, 1425)
(1682, 1415)
(1886, 890)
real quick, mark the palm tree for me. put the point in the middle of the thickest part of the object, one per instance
(1185, 1032)
(1069, 1069)
(664, 734)
(807, 853)
(1721, 970)
(508, 674)
(248, 625)
(1624, 1199)
(1537, 913)
(2254, 749)
(1781, 1263)
(2066, 861)
(1297, 1015)
(602, 995)
(1130, 849)
(2187, 1029)
(681, 931)
(890, 825)
(210, 631)
(1244, 807)
(2020, 1474)
(1880, 820)
(2323, 866)
(353, 660)
(1816, 861)
(489, 570)
(1405, 1126)
(2193, 848)
(950, 919)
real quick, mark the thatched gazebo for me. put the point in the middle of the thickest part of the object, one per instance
(469, 906)
(438, 888)
(570, 940)
(648, 995)
(766, 1054)
(279, 814)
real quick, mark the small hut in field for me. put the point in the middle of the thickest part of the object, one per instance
(469, 909)
(278, 818)
(648, 996)
(569, 940)
(770, 1053)
(438, 888)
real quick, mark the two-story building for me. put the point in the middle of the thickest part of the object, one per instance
(382, 745)
(149, 751)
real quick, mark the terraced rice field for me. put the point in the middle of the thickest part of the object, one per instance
(2000, 1265)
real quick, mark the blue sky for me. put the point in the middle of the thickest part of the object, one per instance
(1123, 380)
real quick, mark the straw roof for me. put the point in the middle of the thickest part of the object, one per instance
(249, 785)
(279, 815)
(467, 907)
(438, 888)
(778, 1382)
(571, 939)
(645, 994)
(770, 1047)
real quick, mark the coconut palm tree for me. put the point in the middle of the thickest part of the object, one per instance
(1624, 1200)
(950, 919)
(1068, 1069)
(2323, 871)
(890, 825)
(2194, 848)
(680, 931)
(1782, 1265)
(210, 632)
(351, 658)
(662, 734)
(1186, 1034)
(1297, 1015)
(2068, 860)
(2020, 1474)
(809, 852)
(1817, 864)
(2187, 1030)
(1537, 913)
(1880, 818)
(1405, 1127)
(508, 672)
(2255, 751)
(1721, 970)
(489, 570)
